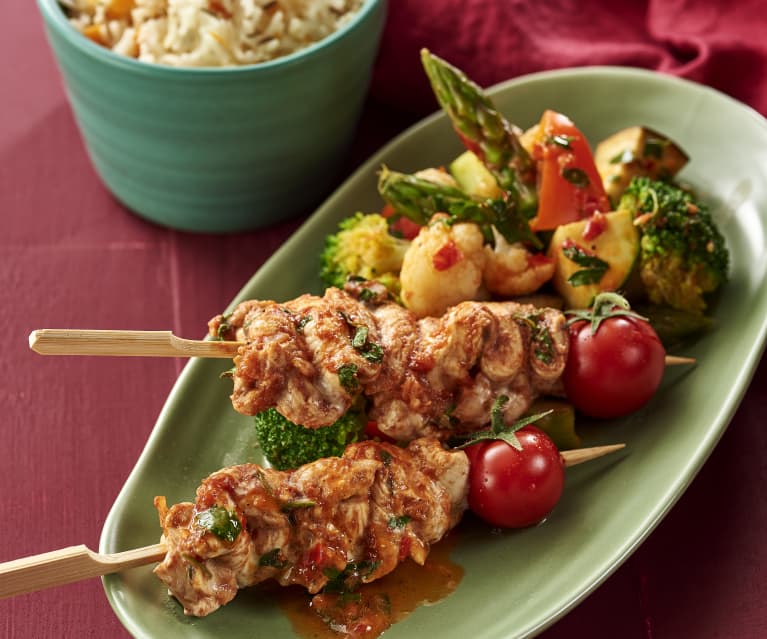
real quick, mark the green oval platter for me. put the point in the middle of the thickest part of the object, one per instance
(519, 582)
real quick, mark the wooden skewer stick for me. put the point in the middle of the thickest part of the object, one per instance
(56, 341)
(76, 563)
(68, 565)
(676, 360)
(579, 455)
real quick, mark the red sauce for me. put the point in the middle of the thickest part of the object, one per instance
(448, 255)
(379, 604)
(539, 259)
(596, 225)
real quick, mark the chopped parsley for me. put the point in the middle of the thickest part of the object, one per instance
(347, 376)
(297, 504)
(576, 176)
(360, 337)
(369, 350)
(272, 559)
(223, 327)
(351, 577)
(303, 322)
(561, 140)
(624, 157)
(593, 269)
(366, 295)
(543, 346)
(221, 522)
(654, 147)
(229, 373)
(398, 522)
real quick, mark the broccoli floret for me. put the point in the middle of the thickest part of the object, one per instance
(683, 254)
(287, 445)
(363, 247)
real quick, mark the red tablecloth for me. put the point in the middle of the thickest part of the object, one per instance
(72, 257)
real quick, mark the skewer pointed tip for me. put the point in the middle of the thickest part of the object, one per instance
(676, 360)
(580, 455)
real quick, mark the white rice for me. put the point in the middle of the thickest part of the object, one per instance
(209, 33)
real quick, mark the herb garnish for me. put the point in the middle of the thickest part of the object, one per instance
(654, 147)
(543, 346)
(272, 559)
(576, 176)
(366, 295)
(624, 157)
(223, 327)
(303, 322)
(297, 504)
(398, 522)
(347, 375)
(561, 140)
(593, 269)
(369, 350)
(221, 522)
(351, 577)
(229, 373)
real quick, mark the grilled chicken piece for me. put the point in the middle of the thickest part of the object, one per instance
(422, 376)
(296, 353)
(357, 516)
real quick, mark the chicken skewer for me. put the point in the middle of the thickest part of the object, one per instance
(76, 563)
(310, 358)
(136, 343)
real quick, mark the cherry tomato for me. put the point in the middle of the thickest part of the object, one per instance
(569, 185)
(513, 488)
(615, 370)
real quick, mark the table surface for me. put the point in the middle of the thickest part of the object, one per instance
(73, 257)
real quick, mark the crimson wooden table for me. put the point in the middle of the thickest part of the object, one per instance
(73, 427)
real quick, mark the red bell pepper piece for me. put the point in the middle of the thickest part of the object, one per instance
(569, 185)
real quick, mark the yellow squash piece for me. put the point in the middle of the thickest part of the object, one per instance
(611, 240)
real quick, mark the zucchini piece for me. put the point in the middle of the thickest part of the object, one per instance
(473, 177)
(586, 266)
(636, 151)
(559, 425)
(674, 326)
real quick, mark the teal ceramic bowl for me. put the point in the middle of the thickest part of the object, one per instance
(218, 149)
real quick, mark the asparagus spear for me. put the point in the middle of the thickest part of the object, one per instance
(485, 131)
(419, 199)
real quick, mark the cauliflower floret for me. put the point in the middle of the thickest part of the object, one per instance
(511, 270)
(442, 267)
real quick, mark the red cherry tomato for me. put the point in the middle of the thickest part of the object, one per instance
(513, 488)
(615, 370)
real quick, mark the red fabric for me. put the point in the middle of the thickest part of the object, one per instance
(70, 256)
(719, 43)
